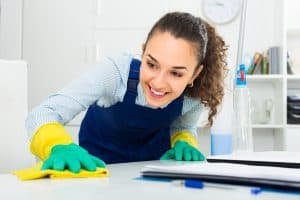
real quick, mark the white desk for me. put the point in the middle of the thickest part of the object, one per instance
(121, 185)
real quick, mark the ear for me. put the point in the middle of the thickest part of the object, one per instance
(196, 73)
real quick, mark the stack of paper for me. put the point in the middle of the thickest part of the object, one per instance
(279, 177)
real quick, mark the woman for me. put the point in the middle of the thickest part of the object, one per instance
(137, 109)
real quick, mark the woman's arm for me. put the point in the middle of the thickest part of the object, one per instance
(101, 84)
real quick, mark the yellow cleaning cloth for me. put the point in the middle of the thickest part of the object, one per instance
(36, 173)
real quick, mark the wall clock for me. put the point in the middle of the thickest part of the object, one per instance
(221, 11)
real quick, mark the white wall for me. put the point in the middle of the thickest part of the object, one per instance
(55, 36)
(11, 29)
(59, 35)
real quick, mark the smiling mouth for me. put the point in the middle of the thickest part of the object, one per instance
(157, 94)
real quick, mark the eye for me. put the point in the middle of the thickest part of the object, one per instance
(150, 64)
(176, 74)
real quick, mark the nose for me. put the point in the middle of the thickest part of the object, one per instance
(160, 80)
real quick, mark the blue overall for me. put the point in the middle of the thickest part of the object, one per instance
(126, 132)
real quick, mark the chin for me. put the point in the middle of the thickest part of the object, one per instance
(154, 105)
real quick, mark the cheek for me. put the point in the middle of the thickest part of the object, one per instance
(145, 75)
(178, 87)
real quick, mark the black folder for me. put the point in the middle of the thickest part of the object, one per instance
(265, 158)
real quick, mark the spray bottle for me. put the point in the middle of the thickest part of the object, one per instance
(242, 130)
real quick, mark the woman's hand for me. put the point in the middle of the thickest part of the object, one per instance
(72, 157)
(183, 151)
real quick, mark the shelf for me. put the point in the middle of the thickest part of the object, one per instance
(293, 77)
(293, 126)
(267, 126)
(265, 78)
(293, 82)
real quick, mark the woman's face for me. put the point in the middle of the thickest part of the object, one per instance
(168, 66)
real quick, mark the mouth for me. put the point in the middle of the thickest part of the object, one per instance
(157, 94)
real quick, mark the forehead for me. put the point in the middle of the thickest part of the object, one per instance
(171, 51)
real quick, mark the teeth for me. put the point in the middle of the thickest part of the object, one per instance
(157, 93)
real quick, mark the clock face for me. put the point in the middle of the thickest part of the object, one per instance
(221, 11)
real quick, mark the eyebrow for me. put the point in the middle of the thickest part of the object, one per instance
(175, 67)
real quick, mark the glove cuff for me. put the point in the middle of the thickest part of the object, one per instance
(47, 136)
(184, 136)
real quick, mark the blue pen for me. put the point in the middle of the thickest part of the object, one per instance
(256, 190)
(193, 184)
(198, 184)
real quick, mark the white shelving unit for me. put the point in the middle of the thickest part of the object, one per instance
(292, 131)
(267, 126)
(268, 92)
(274, 88)
(265, 78)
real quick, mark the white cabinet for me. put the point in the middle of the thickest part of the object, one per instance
(14, 143)
(269, 92)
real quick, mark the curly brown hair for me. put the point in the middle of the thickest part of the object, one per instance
(210, 48)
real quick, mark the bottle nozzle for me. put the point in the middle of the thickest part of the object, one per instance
(241, 76)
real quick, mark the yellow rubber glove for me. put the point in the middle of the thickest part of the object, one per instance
(48, 136)
(184, 136)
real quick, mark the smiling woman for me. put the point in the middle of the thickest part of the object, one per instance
(169, 64)
(195, 45)
(138, 109)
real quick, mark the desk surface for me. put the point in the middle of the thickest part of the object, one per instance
(121, 185)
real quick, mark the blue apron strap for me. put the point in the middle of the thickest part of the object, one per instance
(133, 78)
